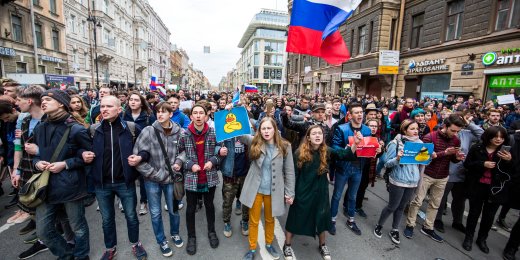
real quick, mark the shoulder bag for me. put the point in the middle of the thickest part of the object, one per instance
(178, 179)
(34, 192)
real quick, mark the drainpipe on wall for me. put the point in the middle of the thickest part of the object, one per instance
(398, 42)
(35, 47)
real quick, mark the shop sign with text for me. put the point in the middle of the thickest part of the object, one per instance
(492, 58)
(506, 81)
(427, 66)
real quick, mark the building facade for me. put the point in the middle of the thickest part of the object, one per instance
(263, 56)
(466, 47)
(460, 47)
(32, 44)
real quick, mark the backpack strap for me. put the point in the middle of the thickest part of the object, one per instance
(131, 127)
(93, 128)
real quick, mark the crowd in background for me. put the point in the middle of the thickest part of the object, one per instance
(299, 148)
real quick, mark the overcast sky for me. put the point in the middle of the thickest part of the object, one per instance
(219, 24)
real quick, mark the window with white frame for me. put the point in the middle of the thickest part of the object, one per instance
(454, 21)
(508, 14)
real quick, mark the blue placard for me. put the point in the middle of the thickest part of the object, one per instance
(417, 153)
(233, 123)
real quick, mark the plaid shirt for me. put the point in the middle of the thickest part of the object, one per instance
(187, 144)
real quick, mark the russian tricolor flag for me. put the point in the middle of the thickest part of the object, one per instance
(250, 89)
(154, 84)
(314, 28)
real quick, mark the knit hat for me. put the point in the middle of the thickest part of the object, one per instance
(426, 104)
(60, 96)
(416, 112)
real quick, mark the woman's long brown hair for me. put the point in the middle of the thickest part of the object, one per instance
(144, 104)
(84, 109)
(258, 140)
(305, 150)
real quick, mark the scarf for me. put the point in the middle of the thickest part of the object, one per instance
(80, 119)
(60, 115)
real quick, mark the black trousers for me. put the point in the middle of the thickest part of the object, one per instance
(514, 238)
(363, 185)
(191, 200)
(479, 203)
(458, 193)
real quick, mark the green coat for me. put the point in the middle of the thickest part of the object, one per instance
(309, 215)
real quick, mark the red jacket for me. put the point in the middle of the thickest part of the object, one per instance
(439, 167)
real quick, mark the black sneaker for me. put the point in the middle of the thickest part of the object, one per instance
(213, 240)
(408, 232)
(332, 229)
(287, 252)
(31, 225)
(109, 254)
(377, 231)
(394, 235)
(361, 213)
(438, 225)
(352, 225)
(324, 252)
(431, 234)
(459, 226)
(503, 225)
(165, 249)
(191, 248)
(33, 250)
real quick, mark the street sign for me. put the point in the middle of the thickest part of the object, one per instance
(388, 62)
(346, 75)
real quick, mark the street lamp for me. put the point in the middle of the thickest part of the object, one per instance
(319, 83)
(302, 77)
(97, 23)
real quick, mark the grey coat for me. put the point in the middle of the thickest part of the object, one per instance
(155, 168)
(283, 178)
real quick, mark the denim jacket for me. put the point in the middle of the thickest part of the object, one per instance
(402, 175)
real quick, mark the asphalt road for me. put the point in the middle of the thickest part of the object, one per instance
(344, 245)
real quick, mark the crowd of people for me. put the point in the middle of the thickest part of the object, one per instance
(98, 144)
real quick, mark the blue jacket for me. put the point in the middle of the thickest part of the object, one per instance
(126, 145)
(340, 141)
(467, 136)
(407, 175)
(181, 119)
(69, 184)
(143, 120)
(227, 164)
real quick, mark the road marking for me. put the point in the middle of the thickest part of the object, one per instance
(280, 236)
(6, 227)
(261, 241)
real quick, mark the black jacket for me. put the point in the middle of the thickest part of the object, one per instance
(500, 175)
(69, 184)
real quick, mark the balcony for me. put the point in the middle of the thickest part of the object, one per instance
(105, 53)
(141, 65)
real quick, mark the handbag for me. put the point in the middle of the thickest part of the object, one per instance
(178, 179)
(34, 192)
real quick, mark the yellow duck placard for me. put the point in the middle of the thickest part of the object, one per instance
(417, 153)
(231, 123)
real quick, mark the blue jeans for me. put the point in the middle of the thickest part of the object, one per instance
(105, 196)
(154, 193)
(46, 215)
(352, 176)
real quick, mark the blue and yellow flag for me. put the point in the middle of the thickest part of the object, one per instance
(233, 123)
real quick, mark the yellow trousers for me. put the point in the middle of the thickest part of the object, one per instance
(254, 219)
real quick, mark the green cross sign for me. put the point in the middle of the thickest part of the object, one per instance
(489, 58)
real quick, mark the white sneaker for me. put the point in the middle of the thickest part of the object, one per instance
(165, 207)
(143, 209)
(181, 205)
(121, 207)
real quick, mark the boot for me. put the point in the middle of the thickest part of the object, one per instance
(482, 245)
(468, 243)
(509, 253)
